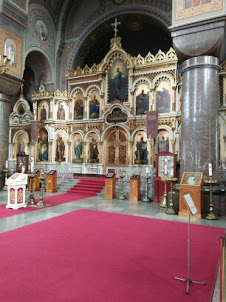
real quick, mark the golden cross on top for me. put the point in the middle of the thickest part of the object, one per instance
(115, 24)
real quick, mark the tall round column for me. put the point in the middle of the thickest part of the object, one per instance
(4, 128)
(199, 127)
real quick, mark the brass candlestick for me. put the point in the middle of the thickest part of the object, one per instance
(42, 188)
(31, 198)
(121, 196)
(211, 215)
(164, 178)
(170, 209)
(6, 171)
(146, 177)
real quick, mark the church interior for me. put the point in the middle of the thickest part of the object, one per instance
(113, 107)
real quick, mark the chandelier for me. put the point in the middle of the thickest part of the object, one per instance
(4, 64)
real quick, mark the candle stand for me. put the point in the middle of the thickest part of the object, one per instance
(121, 196)
(31, 198)
(146, 177)
(211, 215)
(164, 178)
(42, 189)
(170, 210)
(6, 171)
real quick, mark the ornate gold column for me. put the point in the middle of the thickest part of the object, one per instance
(152, 99)
(50, 145)
(84, 153)
(85, 109)
(130, 152)
(100, 152)
(69, 152)
(173, 145)
(174, 87)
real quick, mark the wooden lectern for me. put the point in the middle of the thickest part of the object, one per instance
(134, 189)
(110, 181)
(36, 183)
(191, 183)
(51, 182)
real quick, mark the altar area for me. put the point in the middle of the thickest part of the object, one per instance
(100, 122)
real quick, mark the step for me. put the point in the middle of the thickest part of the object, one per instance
(84, 190)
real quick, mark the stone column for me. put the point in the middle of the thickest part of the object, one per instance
(199, 127)
(4, 129)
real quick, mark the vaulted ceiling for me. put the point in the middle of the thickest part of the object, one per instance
(58, 7)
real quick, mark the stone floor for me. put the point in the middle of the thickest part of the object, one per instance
(99, 203)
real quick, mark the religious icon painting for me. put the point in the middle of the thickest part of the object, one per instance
(21, 108)
(184, 9)
(41, 30)
(43, 112)
(163, 97)
(77, 155)
(10, 50)
(118, 81)
(78, 109)
(142, 100)
(21, 144)
(162, 141)
(60, 143)
(94, 107)
(42, 146)
(194, 3)
(93, 151)
(141, 148)
(61, 111)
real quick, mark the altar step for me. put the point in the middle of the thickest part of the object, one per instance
(88, 186)
(63, 185)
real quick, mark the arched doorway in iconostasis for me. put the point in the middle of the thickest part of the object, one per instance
(116, 147)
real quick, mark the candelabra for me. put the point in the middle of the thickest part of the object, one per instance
(4, 64)
(170, 209)
(146, 177)
(121, 196)
(42, 188)
(211, 215)
(31, 198)
(6, 171)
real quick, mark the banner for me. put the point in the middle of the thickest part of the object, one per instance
(152, 124)
(34, 131)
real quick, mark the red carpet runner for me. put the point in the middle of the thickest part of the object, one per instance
(49, 200)
(88, 185)
(91, 256)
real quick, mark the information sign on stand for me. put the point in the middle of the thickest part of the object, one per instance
(16, 187)
(190, 204)
(191, 183)
(191, 210)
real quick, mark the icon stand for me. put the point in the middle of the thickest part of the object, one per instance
(192, 209)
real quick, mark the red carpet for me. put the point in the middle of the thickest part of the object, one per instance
(88, 185)
(49, 200)
(91, 256)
